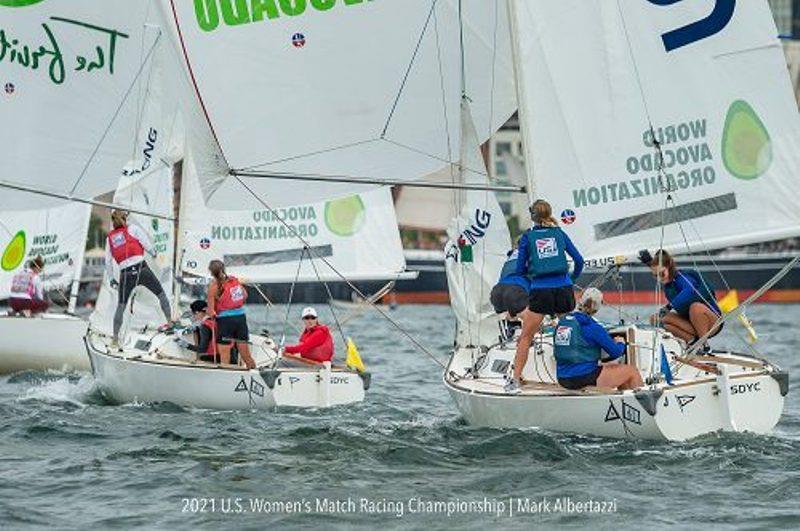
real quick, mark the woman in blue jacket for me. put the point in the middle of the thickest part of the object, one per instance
(543, 251)
(692, 310)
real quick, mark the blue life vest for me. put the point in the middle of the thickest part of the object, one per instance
(702, 292)
(569, 346)
(546, 252)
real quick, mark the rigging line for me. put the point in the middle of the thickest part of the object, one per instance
(408, 69)
(309, 154)
(330, 305)
(444, 98)
(494, 72)
(739, 309)
(475, 171)
(116, 113)
(352, 286)
(291, 296)
(461, 43)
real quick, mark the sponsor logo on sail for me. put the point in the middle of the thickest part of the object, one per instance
(697, 30)
(19, 3)
(211, 13)
(298, 40)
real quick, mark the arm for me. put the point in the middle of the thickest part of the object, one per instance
(522, 256)
(204, 338)
(594, 333)
(307, 342)
(686, 292)
(38, 288)
(211, 298)
(576, 257)
(139, 233)
(109, 267)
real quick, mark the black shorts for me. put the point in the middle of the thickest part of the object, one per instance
(552, 301)
(137, 275)
(232, 327)
(508, 298)
(579, 382)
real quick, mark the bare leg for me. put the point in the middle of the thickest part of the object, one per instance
(244, 353)
(224, 353)
(679, 327)
(619, 377)
(702, 318)
(530, 326)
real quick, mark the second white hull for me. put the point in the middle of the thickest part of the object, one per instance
(46, 341)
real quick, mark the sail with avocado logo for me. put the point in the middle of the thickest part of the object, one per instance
(18, 3)
(345, 216)
(746, 145)
(14, 252)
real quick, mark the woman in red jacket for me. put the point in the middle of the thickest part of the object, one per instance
(316, 342)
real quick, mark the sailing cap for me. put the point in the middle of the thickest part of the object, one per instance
(308, 311)
(591, 299)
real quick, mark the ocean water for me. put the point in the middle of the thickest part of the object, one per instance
(402, 459)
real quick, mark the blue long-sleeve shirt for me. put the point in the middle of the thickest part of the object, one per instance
(558, 280)
(594, 334)
(686, 292)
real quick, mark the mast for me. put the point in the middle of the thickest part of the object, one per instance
(178, 176)
(76, 280)
(522, 112)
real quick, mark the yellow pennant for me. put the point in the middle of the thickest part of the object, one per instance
(353, 357)
(730, 302)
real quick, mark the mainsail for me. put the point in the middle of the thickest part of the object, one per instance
(335, 91)
(652, 124)
(72, 80)
(56, 234)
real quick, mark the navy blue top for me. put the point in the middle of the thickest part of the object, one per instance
(509, 275)
(685, 289)
(558, 280)
(594, 334)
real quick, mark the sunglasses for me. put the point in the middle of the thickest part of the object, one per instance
(309, 318)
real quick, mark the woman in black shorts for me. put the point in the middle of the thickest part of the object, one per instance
(543, 251)
(226, 298)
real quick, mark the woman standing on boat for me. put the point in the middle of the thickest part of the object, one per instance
(543, 251)
(692, 310)
(226, 298)
(27, 290)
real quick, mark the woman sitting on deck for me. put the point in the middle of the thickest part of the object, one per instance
(577, 346)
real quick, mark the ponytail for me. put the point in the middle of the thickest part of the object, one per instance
(542, 214)
(217, 270)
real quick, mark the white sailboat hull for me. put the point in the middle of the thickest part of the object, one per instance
(45, 341)
(142, 377)
(745, 399)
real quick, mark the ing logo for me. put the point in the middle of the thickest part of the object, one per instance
(698, 30)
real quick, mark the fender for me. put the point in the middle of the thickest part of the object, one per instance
(715, 22)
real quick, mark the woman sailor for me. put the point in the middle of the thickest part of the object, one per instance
(692, 310)
(578, 344)
(543, 251)
(27, 289)
(226, 298)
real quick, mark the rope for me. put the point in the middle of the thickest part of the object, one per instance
(330, 306)
(294, 233)
(291, 296)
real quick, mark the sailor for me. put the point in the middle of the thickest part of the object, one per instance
(226, 299)
(543, 251)
(205, 333)
(692, 310)
(27, 289)
(577, 345)
(510, 295)
(316, 341)
(126, 247)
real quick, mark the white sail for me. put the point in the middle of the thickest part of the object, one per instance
(152, 192)
(334, 89)
(601, 82)
(72, 80)
(56, 234)
(476, 251)
(357, 235)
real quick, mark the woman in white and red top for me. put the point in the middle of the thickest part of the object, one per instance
(27, 289)
(126, 247)
(226, 298)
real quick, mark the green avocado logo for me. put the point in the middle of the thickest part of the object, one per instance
(345, 216)
(14, 252)
(746, 145)
(19, 3)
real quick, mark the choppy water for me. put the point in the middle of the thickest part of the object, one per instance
(70, 460)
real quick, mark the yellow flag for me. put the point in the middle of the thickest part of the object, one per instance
(729, 302)
(353, 358)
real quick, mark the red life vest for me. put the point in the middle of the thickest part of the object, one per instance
(22, 283)
(212, 345)
(324, 352)
(123, 245)
(232, 297)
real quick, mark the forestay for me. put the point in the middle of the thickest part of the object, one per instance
(56, 234)
(355, 236)
(476, 251)
(72, 76)
(336, 89)
(606, 87)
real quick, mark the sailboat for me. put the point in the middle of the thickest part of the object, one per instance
(644, 131)
(71, 81)
(263, 158)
